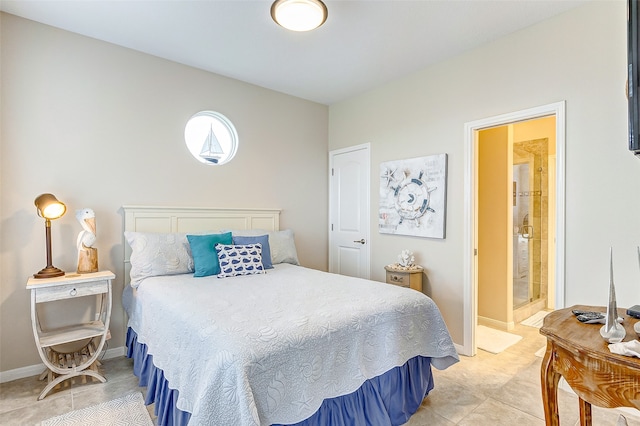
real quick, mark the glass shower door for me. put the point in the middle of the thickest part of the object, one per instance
(530, 221)
(522, 236)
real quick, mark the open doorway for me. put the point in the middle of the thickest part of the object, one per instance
(523, 163)
(516, 232)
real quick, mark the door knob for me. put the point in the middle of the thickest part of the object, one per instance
(361, 241)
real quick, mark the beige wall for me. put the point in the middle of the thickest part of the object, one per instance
(578, 57)
(101, 126)
(494, 207)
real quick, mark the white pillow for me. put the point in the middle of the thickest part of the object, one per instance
(282, 244)
(154, 254)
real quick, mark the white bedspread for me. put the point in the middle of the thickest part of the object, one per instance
(264, 349)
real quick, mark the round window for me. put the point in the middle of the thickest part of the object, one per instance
(211, 138)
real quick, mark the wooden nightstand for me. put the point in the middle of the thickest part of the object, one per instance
(411, 278)
(62, 365)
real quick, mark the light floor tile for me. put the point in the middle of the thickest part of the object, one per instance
(495, 413)
(609, 417)
(425, 416)
(451, 400)
(19, 404)
(37, 411)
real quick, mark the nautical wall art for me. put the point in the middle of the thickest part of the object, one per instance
(211, 138)
(413, 195)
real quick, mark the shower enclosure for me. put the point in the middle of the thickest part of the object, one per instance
(530, 223)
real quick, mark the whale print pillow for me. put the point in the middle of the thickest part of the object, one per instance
(239, 259)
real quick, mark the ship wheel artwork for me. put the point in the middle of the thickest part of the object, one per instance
(412, 198)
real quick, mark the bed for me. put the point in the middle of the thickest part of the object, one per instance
(283, 345)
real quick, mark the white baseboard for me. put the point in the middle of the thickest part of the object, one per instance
(115, 352)
(35, 370)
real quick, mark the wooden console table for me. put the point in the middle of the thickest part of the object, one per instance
(577, 352)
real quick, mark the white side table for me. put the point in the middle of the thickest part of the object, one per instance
(60, 365)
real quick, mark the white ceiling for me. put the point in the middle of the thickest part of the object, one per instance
(363, 43)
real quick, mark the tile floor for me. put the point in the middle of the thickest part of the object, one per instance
(19, 404)
(487, 389)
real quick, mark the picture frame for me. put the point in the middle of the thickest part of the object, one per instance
(413, 194)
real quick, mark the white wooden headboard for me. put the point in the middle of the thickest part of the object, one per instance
(194, 219)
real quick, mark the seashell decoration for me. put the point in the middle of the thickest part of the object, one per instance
(406, 259)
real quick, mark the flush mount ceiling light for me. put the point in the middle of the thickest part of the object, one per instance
(299, 15)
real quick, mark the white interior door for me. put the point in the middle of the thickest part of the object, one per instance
(349, 211)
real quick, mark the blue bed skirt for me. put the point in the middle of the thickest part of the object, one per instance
(387, 400)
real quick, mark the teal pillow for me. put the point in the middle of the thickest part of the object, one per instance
(203, 250)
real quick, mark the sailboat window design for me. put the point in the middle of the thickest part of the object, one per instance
(211, 138)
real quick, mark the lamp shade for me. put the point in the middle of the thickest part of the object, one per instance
(299, 15)
(49, 207)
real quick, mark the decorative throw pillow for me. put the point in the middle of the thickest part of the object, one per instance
(239, 259)
(154, 254)
(263, 240)
(203, 249)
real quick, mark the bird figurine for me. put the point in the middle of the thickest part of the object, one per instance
(87, 254)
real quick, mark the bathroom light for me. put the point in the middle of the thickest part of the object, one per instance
(299, 15)
(49, 208)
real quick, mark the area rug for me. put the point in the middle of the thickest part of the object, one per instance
(128, 410)
(494, 341)
(536, 319)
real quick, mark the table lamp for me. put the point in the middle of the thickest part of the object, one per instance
(49, 208)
